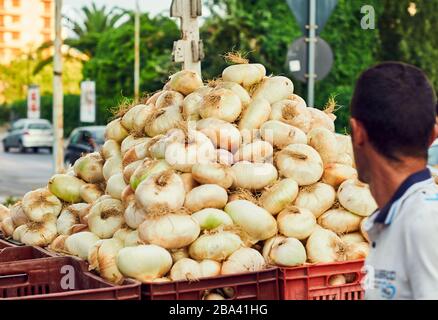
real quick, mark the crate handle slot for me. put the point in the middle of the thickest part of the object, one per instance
(17, 278)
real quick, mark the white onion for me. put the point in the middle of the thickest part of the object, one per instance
(257, 151)
(253, 176)
(213, 296)
(111, 148)
(335, 174)
(189, 181)
(318, 198)
(274, 89)
(224, 157)
(162, 120)
(246, 74)
(222, 104)
(186, 269)
(321, 119)
(296, 222)
(197, 148)
(147, 169)
(356, 197)
(111, 167)
(178, 254)
(354, 237)
(40, 203)
(156, 147)
(356, 251)
(102, 257)
(213, 173)
(185, 81)
(301, 163)
(211, 218)
(255, 114)
(191, 106)
(130, 116)
(135, 153)
(210, 268)
(324, 141)
(325, 246)
(129, 170)
(115, 186)
(90, 192)
(170, 231)
(17, 214)
(206, 196)
(237, 89)
(7, 227)
(133, 239)
(144, 263)
(293, 112)
(134, 215)
(58, 244)
(277, 197)
(340, 220)
(222, 134)
(345, 145)
(106, 217)
(282, 134)
(284, 252)
(39, 233)
(217, 246)
(115, 131)
(255, 221)
(153, 98)
(66, 220)
(169, 98)
(66, 187)
(162, 191)
(243, 260)
(128, 194)
(89, 168)
(18, 232)
(79, 244)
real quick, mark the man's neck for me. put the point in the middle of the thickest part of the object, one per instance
(387, 177)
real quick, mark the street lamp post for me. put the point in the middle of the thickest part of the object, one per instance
(137, 54)
(58, 104)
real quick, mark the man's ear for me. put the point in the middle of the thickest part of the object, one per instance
(358, 132)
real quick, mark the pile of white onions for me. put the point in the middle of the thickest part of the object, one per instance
(233, 176)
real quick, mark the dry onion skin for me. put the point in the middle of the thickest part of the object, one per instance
(278, 196)
(296, 222)
(318, 198)
(293, 112)
(4, 212)
(90, 192)
(40, 203)
(221, 104)
(206, 196)
(356, 197)
(188, 181)
(169, 98)
(7, 227)
(17, 214)
(40, 233)
(144, 262)
(301, 163)
(106, 217)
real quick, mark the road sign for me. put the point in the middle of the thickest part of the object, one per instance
(33, 102)
(88, 101)
(297, 59)
(300, 9)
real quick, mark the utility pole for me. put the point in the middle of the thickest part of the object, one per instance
(188, 50)
(311, 53)
(137, 54)
(58, 104)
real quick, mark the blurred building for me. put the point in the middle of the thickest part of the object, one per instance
(24, 25)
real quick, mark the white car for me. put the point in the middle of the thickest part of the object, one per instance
(29, 134)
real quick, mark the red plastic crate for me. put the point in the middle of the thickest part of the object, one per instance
(6, 244)
(48, 278)
(311, 282)
(261, 285)
(10, 254)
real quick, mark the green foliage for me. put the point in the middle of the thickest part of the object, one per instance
(112, 67)
(18, 109)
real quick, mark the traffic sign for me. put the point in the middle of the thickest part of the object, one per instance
(297, 59)
(33, 102)
(88, 101)
(300, 9)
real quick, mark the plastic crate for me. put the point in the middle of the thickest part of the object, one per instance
(59, 278)
(10, 254)
(6, 244)
(261, 285)
(311, 282)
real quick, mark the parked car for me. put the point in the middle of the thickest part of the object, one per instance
(83, 140)
(29, 134)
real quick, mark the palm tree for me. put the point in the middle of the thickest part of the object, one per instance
(86, 32)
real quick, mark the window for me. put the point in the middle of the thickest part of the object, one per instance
(2, 21)
(47, 23)
(15, 19)
(15, 35)
(39, 126)
(75, 137)
(98, 136)
(15, 3)
(47, 37)
(2, 37)
(2, 4)
(47, 7)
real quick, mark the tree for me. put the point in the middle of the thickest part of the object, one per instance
(112, 66)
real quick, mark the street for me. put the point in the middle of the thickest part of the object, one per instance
(20, 173)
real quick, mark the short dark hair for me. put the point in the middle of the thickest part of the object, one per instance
(397, 106)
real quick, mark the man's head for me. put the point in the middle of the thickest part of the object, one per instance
(393, 116)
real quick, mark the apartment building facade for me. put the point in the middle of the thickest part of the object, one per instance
(24, 25)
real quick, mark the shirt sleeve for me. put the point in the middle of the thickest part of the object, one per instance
(422, 253)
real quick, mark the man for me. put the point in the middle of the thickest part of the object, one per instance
(393, 124)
